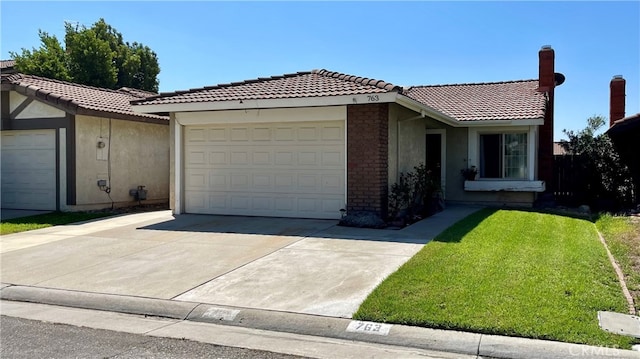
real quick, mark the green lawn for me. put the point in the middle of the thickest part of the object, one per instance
(506, 272)
(622, 235)
(46, 220)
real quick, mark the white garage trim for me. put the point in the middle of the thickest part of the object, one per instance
(29, 169)
(298, 102)
(278, 169)
(178, 171)
(280, 115)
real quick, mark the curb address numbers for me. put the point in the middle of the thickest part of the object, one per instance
(369, 328)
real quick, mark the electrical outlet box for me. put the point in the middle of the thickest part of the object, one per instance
(102, 183)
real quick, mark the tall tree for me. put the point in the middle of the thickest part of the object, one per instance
(603, 179)
(49, 60)
(96, 56)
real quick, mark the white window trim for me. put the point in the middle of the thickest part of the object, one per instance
(504, 184)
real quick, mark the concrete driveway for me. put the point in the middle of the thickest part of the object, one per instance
(293, 265)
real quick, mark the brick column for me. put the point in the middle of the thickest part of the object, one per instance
(367, 158)
(545, 136)
(616, 99)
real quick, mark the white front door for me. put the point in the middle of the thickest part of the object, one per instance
(293, 169)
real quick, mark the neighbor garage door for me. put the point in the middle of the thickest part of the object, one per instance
(29, 169)
(282, 170)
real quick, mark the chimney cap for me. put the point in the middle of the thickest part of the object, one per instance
(618, 77)
(546, 47)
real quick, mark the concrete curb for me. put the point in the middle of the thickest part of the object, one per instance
(481, 345)
(106, 302)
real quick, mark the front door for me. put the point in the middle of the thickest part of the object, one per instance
(435, 156)
(433, 160)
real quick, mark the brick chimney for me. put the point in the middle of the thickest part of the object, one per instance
(546, 83)
(617, 99)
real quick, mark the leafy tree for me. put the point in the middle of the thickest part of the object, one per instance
(96, 56)
(603, 179)
(49, 60)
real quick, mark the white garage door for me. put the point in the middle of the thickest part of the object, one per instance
(279, 170)
(29, 169)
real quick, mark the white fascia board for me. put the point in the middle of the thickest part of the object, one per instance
(492, 123)
(269, 103)
(427, 111)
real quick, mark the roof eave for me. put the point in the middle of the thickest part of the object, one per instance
(426, 110)
(506, 122)
(317, 101)
(72, 107)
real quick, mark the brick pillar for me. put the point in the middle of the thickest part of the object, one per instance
(545, 140)
(367, 158)
(617, 99)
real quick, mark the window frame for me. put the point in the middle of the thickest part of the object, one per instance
(474, 149)
(501, 168)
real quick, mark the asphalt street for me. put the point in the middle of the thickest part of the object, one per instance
(23, 338)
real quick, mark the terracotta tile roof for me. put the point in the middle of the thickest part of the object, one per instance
(4, 64)
(80, 99)
(137, 92)
(316, 83)
(558, 149)
(512, 100)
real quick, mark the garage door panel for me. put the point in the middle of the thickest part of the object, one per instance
(28, 162)
(289, 170)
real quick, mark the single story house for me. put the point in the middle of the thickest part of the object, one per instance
(68, 147)
(311, 144)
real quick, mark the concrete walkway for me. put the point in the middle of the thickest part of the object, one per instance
(287, 275)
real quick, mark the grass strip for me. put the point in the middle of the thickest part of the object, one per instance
(622, 235)
(46, 220)
(506, 272)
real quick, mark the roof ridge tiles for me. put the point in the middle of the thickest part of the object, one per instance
(221, 86)
(471, 83)
(68, 83)
(359, 80)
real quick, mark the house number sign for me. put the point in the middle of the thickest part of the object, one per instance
(369, 328)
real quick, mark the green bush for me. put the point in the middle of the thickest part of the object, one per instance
(416, 195)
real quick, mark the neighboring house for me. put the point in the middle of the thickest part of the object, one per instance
(559, 150)
(70, 147)
(624, 131)
(309, 144)
(7, 66)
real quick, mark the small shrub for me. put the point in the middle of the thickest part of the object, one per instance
(416, 195)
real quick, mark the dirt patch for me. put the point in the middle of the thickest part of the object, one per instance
(134, 209)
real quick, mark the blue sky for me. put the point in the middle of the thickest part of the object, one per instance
(406, 43)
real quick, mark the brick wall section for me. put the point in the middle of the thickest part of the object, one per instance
(545, 136)
(616, 99)
(367, 158)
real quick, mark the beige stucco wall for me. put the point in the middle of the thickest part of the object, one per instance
(36, 109)
(407, 136)
(406, 141)
(457, 153)
(139, 156)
